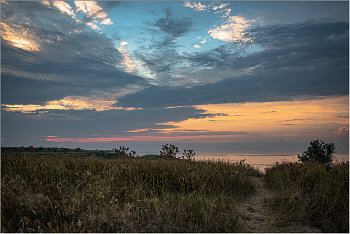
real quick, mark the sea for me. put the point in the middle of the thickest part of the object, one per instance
(261, 159)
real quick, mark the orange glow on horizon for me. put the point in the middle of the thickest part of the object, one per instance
(293, 120)
(286, 118)
(142, 138)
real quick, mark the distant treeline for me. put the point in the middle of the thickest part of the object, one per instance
(59, 151)
(77, 152)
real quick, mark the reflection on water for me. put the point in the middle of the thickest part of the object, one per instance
(260, 160)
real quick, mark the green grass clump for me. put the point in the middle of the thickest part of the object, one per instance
(66, 194)
(311, 193)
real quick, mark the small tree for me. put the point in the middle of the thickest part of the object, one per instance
(168, 152)
(318, 151)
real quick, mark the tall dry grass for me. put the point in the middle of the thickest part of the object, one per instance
(311, 193)
(66, 194)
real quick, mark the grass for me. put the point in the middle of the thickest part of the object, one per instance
(310, 193)
(42, 193)
(61, 193)
(148, 156)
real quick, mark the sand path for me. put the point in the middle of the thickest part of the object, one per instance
(255, 215)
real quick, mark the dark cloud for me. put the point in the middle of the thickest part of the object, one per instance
(300, 34)
(69, 62)
(34, 12)
(291, 46)
(108, 5)
(269, 87)
(310, 59)
(163, 55)
(228, 90)
(172, 26)
(78, 123)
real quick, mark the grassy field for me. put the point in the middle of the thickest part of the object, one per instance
(60, 193)
(66, 194)
(311, 193)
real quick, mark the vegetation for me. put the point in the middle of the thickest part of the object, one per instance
(319, 152)
(53, 193)
(311, 193)
(168, 152)
(54, 151)
(148, 156)
(122, 152)
(77, 190)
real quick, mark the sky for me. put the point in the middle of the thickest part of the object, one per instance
(207, 76)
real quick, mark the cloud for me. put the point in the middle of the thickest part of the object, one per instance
(299, 61)
(342, 130)
(223, 5)
(20, 38)
(92, 25)
(64, 8)
(233, 29)
(88, 7)
(42, 125)
(108, 5)
(173, 26)
(220, 92)
(297, 121)
(196, 46)
(128, 63)
(67, 103)
(44, 62)
(93, 10)
(196, 6)
(162, 56)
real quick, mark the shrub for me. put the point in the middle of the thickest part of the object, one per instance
(122, 152)
(318, 151)
(168, 152)
(188, 154)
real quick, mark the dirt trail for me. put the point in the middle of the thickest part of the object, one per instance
(255, 214)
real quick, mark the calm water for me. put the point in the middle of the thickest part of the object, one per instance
(260, 159)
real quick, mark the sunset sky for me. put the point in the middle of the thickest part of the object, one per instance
(207, 76)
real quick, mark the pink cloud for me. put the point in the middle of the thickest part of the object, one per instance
(143, 138)
(342, 130)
